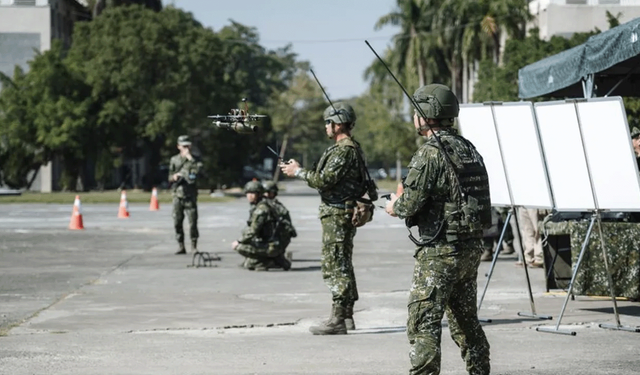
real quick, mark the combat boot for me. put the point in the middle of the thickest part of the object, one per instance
(348, 320)
(282, 261)
(182, 249)
(487, 256)
(194, 246)
(334, 326)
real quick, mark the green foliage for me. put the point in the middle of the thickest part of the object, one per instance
(500, 83)
(46, 114)
(383, 134)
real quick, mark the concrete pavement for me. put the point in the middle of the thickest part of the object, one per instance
(113, 299)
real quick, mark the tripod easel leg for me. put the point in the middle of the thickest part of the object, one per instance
(617, 326)
(493, 264)
(573, 278)
(533, 313)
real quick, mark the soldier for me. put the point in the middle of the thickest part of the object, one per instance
(285, 225)
(448, 199)
(183, 171)
(340, 179)
(259, 242)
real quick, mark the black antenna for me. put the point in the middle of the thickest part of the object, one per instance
(417, 107)
(325, 94)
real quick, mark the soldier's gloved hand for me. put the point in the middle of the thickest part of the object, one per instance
(234, 245)
(289, 168)
(389, 206)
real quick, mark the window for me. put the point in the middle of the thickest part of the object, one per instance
(24, 2)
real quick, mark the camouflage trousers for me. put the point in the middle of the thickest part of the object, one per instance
(259, 256)
(180, 207)
(337, 256)
(446, 284)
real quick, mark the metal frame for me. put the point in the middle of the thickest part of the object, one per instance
(596, 217)
(533, 313)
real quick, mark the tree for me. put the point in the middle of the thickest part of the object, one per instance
(48, 111)
(501, 83)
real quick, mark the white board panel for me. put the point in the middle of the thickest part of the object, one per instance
(522, 153)
(610, 156)
(476, 125)
(565, 157)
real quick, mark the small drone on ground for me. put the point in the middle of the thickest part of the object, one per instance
(239, 120)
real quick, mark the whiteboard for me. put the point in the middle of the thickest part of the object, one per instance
(476, 124)
(522, 153)
(610, 155)
(565, 157)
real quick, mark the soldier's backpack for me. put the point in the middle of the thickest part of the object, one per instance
(363, 210)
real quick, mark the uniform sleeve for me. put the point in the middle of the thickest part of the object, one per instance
(172, 169)
(424, 171)
(335, 168)
(258, 219)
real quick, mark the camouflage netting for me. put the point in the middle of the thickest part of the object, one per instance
(599, 53)
(622, 241)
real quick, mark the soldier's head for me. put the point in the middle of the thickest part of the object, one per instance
(270, 189)
(253, 190)
(635, 140)
(439, 105)
(184, 143)
(339, 119)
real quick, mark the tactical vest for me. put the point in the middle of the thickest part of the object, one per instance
(463, 217)
(346, 189)
(267, 232)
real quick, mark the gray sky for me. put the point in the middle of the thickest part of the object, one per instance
(328, 33)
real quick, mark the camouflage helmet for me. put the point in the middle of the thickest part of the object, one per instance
(635, 132)
(342, 114)
(437, 102)
(184, 140)
(253, 187)
(270, 187)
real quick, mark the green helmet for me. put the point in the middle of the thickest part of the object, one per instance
(437, 102)
(635, 132)
(184, 140)
(342, 114)
(270, 187)
(253, 187)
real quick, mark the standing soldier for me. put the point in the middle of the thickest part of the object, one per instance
(285, 230)
(259, 242)
(183, 171)
(340, 179)
(448, 199)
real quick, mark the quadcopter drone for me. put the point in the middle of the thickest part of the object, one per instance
(239, 120)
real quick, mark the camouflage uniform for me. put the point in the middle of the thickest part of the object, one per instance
(185, 196)
(446, 269)
(339, 180)
(285, 228)
(257, 242)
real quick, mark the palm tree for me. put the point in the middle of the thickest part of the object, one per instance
(415, 46)
(472, 31)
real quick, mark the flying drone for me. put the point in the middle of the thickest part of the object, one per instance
(239, 120)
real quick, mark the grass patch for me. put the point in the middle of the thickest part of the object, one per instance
(111, 196)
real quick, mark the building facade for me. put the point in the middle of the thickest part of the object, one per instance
(566, 17)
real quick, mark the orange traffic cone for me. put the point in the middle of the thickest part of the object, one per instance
(123, 211)
(76, 216)
(399, 190)
(154, 205)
